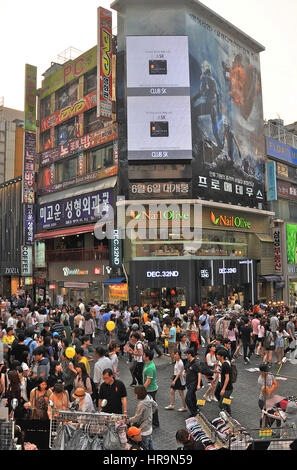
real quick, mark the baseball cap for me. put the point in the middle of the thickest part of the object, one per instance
(133, 431)
(25, 366)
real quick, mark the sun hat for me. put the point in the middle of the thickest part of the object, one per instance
(79, 393)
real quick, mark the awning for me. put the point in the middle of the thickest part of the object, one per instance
(263, 237)
(65, 232)
(117, 280)
(272, 278)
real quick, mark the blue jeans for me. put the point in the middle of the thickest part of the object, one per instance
(147, 443)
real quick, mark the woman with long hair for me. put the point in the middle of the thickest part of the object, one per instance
(14, 392)
(193, 333)
(55, 374)
(232, 333)
(39, 399)
(82, 379)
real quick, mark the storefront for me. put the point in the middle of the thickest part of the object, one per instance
(70, 281)
(225, 264)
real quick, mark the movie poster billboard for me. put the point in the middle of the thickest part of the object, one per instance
(227, 117)
(291, 243)
(104, 63)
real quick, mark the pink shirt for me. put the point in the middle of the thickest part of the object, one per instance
(255, 324)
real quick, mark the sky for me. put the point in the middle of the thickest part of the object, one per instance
(35, 32)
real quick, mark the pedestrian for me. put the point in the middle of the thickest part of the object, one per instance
(89, 326)
(82, 379)
(137, 363)
(172, 345)
(269, 345)
(150, 380)
(113, 350)
(102, 363)
(85, 400)
(146, 406)
(39, 400)
(224, 387)
(268, 385)
(59, 400)
(134, 438)
(246, 337)
(114, 391)
(281, 334)
(204, 325)
(212, 363)
(178, 383)
(187, 441)
(191, 373)
(193, 334)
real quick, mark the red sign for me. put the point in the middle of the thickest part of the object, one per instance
(97, 271)
(98, 137)
(69, 111)
(104, 63)
(52, 286)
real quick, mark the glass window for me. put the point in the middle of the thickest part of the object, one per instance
(66, 95)
(70, 169)
(46, 142)
(90, 81)
(66, 132)
(92, 122)
(45, 107)
(100, 158)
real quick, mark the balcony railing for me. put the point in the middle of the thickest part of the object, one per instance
(281, 134)
(77, 254)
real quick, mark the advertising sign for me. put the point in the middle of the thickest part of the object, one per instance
(39, 252)
(162, 190)
(69, 111)
(116, 249)
(277, 250)
(88, 141)
(29, 168)
(26, 261)
(227, 117)
(287, 190)
(271, 181)
(30, 97)
(281, 151)
(71, 70)
(291, 243)
(74, 210)
(29, 225)
(158, 98)
(104, 63)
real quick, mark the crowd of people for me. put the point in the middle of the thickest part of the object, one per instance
(57, 358)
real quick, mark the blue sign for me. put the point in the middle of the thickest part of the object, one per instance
(281, 151)
(271, 181)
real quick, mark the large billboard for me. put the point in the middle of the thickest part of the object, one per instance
(227, 117)
(292, 243)
(158, 98)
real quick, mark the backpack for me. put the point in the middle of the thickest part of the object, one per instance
(234, 373)
(267, 340)
(150, 334)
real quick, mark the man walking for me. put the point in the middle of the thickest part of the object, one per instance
(191, 373)
(150, 380)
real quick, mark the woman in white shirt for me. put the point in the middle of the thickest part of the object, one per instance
(261, 334)
(211, 361)
(178, 383)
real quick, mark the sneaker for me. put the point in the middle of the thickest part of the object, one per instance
(182, 409)
(207, 398)
(214, 399)
(169, 407)
(246, 360)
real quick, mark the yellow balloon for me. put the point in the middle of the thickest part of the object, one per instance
(110, 325)
(70, 353)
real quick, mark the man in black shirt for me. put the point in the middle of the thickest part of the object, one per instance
(191, 372)
(114, 391)
(224, 387)
(19, 350)
(246, 332)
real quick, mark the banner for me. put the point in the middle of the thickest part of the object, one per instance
(291, 243)
(283, 152)
(69, 111)
(29, 225)
(271, 181)
(30, 97)
(26, 261)
(98, 137)
(104, 63)
(29, 168)
(277, 249)
(74, 210)
(227, 117)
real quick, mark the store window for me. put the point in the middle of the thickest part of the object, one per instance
(92, 122)
(66, 95)
(67, 170)
(66, 132)
(45, 141)
(90, 81)
(100, 158)
(214, 243)
(45, 107)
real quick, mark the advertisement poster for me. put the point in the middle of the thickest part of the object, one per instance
(29, 168)
(292, 243)
(104, 63)
(158, 98)
(29, 225)
(227, 117)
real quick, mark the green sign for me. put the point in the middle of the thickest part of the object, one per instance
(30, 97)
(292, 243)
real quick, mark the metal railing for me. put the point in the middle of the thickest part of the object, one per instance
(281, 134)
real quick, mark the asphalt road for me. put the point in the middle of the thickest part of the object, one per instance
(244, 404)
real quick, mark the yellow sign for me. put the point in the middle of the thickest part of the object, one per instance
(118, 292)
(265, 432)
(201, 402)
(226, 401)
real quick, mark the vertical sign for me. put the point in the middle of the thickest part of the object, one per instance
(277, 250)
(116, 250)
(26, 263)
(29, 168)
(104, 63)
(30, 97)
(271, 181)
(29, 225)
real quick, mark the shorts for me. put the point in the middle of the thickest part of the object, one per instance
(178, 385)
(205, 334)
(171, 347)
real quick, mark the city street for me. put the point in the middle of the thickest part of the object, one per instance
(244, 404)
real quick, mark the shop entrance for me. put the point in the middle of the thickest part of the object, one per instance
(226, 295)
(164, 296)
